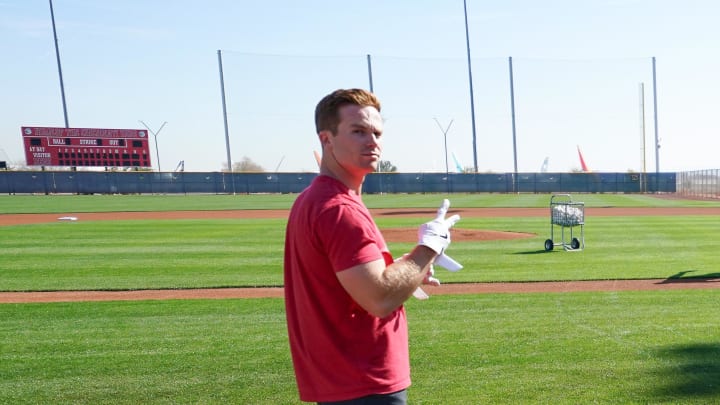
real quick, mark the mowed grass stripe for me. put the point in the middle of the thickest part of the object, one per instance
(179, 202)
(236, 253)
(564, 348)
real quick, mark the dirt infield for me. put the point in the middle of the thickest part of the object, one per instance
(277, 292)
(393, 235)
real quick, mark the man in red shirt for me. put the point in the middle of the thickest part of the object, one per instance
(344, 294)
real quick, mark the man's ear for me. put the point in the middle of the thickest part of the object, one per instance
(324, 137)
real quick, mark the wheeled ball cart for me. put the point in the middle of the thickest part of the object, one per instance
(567, 215)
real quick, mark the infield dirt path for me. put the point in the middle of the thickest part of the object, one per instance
(390, 234)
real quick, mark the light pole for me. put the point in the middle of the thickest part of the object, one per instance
(59, 67)
(472, 93)
(155, 134)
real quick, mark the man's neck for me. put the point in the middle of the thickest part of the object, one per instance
(353, 183)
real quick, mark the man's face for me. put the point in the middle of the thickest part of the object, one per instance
(357, 144)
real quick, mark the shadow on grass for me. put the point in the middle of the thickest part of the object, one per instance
(686, 277)
(691, 371)
(532, 252)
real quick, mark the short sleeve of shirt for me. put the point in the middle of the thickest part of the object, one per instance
(350, 236)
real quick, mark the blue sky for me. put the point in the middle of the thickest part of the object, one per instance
(577, 70)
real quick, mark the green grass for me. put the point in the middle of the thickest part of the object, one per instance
(115, 203)
(10, 204)
(640, 347)
(170, 352)
(112, 255)
(525, 200)
(657, 347)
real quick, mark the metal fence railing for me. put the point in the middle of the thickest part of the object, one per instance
(699, 184)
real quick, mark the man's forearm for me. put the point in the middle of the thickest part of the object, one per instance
(404, 276)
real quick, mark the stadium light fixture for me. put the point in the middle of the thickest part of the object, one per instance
(155, 134)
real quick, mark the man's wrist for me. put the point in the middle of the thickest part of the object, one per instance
(426, 252)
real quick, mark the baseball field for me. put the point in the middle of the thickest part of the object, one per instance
(178, 299)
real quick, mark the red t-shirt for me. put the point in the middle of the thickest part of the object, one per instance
(339, 350)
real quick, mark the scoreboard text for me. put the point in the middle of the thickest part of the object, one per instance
(46, 146)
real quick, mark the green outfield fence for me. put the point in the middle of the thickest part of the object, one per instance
(139, 182)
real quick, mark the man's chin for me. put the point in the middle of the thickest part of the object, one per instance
(369, 165)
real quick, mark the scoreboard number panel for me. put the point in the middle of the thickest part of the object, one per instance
(94, 147)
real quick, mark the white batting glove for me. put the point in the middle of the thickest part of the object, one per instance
(448, 262)
(436, 233)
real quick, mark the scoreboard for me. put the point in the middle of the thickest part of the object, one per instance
(49, 146)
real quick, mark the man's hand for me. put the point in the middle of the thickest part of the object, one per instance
(430, 279)
(436, 233)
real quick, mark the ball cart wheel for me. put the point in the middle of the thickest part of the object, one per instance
(575, 243)
(549, 245)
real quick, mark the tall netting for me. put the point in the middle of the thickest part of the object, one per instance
(271, 103)
(591, 107)
(426, 97)
(562, 106)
